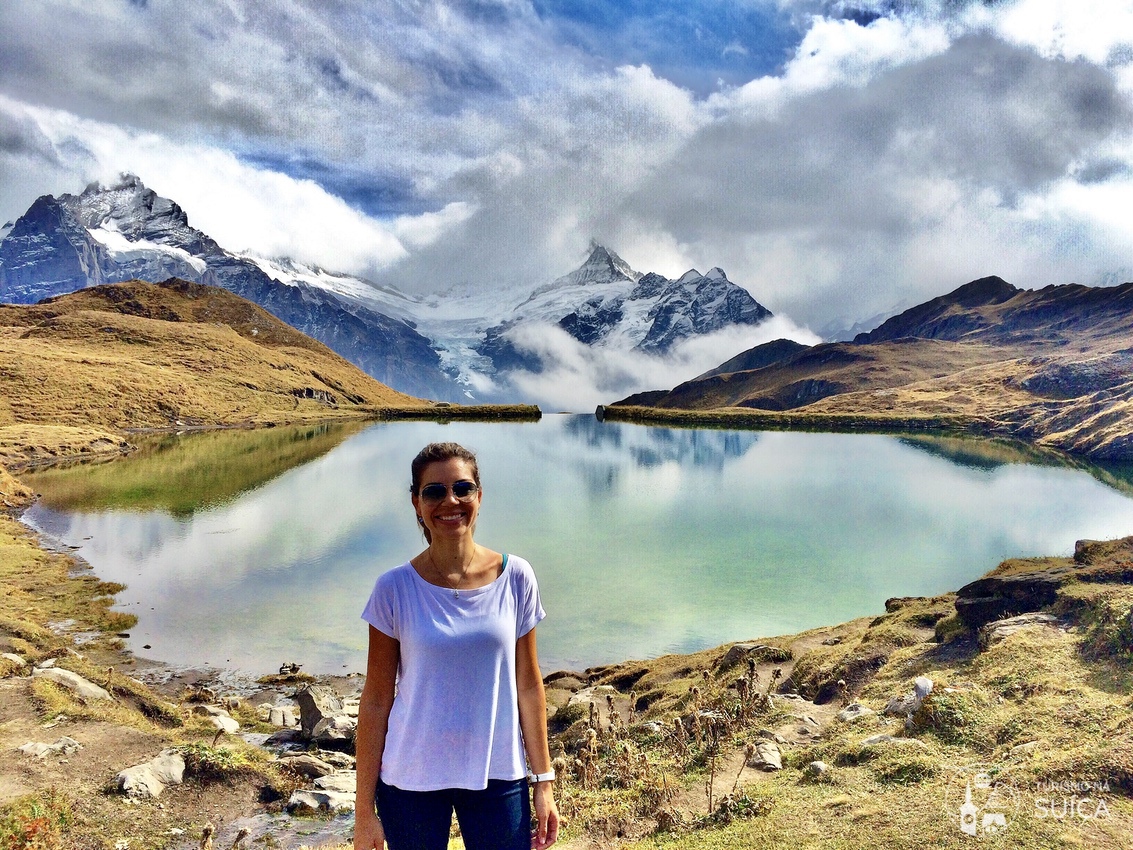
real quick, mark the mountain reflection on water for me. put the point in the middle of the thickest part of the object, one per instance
(652, 446)
(248, 549)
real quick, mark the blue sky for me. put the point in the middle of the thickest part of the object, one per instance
(699, 46)
(838, 159)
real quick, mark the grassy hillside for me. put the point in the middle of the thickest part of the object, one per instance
(1051, 366)
(77, 370)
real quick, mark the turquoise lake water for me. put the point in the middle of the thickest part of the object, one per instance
(645, 540)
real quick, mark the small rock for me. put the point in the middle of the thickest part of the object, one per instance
(855, 711)
(339, 760)
(922, 687)
(284, 737)
(306, 765)
(595, 694)
(316, 703)
(225, 724)
(315, 801)
(879, 740)
(832, 641)
(901, 706)
(735, 654)
(263, 711)
(149, 779)
(282, 716)
(1024, 749)
(766, 757)
(816, 770)
(768, 735)
(15, 659)
(1000, 630)
(64, 747)
(210, 711)
(82, 688)
(334, 730)
(344, 781)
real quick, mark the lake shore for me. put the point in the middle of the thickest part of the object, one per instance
(1064, 685)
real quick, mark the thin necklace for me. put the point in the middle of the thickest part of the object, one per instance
(455, 590)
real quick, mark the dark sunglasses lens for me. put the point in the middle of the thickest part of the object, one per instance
(463, 489)
(433, 492)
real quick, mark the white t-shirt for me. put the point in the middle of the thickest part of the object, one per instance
(455, 718)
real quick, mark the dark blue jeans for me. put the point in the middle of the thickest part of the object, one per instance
(497, 818)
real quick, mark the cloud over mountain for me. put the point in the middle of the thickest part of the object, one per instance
(840, 161)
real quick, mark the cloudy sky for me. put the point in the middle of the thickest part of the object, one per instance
(835, 158)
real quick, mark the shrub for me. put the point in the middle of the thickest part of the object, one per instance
(38, 822)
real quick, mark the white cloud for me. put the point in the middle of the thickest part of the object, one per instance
(886, 162)
(262, 210)
(1068, 29)
(579, 377)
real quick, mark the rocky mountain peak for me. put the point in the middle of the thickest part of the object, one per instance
(605, 263)
(128, 207)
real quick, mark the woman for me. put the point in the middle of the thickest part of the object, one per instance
(455, 629)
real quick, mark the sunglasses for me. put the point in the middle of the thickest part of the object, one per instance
(462, 491)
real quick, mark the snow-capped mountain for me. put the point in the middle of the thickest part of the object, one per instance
(606, 303)
(126, 231)
(457, 346)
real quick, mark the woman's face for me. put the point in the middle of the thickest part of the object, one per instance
(448, 516)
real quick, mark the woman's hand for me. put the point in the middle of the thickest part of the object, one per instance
(546, 816)
(368, 834)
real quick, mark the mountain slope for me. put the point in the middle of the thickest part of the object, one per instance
(606, 304)
(136, 355)
(126, 231)
(1052, 365)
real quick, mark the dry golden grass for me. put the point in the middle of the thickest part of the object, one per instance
(138, 355)
(1039, 685)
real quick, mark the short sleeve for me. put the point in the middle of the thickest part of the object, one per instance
(381, 608)
(529, 608)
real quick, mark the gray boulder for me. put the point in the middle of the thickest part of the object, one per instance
(855, 711)
(225, 724)
(63, 747)
(816, 770)
(306, 765)
(149, 779)
(334, 732)
(316, 703)
(282, 716)
(766, 757)
(82, 688)
(343, 781)
(320, 801)
(1000, 630)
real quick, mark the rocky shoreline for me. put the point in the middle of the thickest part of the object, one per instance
(815, 705)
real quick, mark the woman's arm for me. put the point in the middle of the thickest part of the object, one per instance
(533, 722)
(370, 741)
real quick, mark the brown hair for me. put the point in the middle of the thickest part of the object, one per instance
(435, 452)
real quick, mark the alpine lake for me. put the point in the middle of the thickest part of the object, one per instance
(247, 549)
